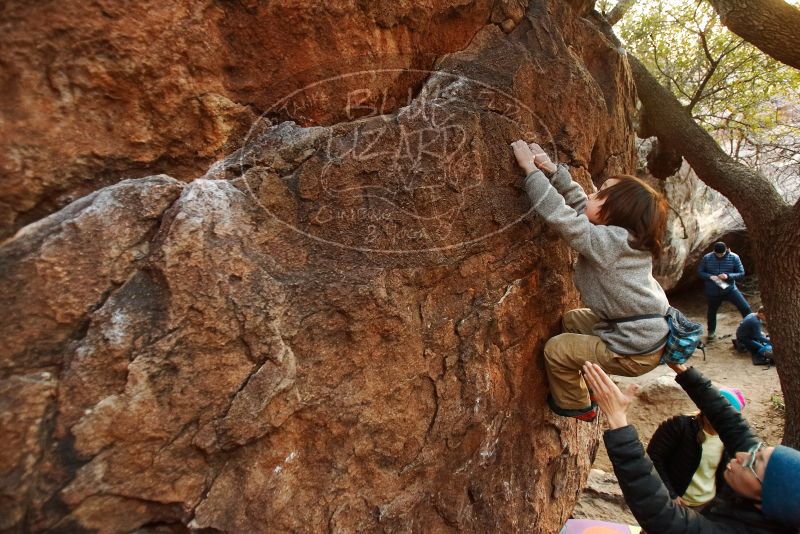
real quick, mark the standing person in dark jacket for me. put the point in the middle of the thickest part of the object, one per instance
(720, 270)
(762, 483)
(689, 456)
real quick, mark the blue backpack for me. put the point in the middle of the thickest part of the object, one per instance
(683, 339)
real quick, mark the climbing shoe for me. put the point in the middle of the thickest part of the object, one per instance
(588, 414)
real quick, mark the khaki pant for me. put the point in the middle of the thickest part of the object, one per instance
(565, 354)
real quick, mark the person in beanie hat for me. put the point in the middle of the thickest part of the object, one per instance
(780, 494)
(689, 455)
(720, 270)
(757, 496)
(735, 397)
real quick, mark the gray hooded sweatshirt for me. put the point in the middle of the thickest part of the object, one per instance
(615, 280)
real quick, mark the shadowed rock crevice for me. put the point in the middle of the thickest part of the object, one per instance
(50, 250)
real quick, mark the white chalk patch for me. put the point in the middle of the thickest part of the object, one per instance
(279, 468)
(114, 331)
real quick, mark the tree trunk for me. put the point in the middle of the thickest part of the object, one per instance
(778, 265)
(773, 226)
(770, 25)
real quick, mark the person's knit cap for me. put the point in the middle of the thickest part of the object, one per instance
(735, 397)
(720, 247)
(780, 494)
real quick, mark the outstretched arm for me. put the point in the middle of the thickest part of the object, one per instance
(571, 190)
(733, 429)
(590, 240)
(644, 491)
(559, 175)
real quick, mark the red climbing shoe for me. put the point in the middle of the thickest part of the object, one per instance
(588, 414)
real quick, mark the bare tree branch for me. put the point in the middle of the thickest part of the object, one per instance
(713, 64)
(770, 25)
(619, 11)
(669, 77)
(672, 123)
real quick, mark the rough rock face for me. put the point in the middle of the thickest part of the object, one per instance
(337, 328)
(94, 92)
(699, 217)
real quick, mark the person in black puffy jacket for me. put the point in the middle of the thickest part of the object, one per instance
(761, 493)
(690, 457)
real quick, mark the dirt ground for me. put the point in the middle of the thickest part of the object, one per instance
(662, 397)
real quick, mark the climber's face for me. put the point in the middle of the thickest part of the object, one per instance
(593, 204)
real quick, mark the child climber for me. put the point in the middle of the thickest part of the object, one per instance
(617, 232)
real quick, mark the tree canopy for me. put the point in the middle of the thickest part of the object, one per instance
(713, 99)
(747, 100)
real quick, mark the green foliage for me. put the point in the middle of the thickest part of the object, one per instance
(777, 401)
(739, 94)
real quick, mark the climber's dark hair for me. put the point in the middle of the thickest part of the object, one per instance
(637, 207)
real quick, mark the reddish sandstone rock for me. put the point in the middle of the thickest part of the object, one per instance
(94, 92)
(336, 328)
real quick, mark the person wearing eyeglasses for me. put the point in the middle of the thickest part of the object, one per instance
(761, 490)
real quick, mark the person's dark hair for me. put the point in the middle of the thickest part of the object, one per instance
(637, 207)
(701, 420)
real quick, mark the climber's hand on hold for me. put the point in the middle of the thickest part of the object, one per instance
(524, 156)
(541, 159)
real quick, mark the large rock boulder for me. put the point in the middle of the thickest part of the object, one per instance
(699, 216)
(94, 92)
(335, 328)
